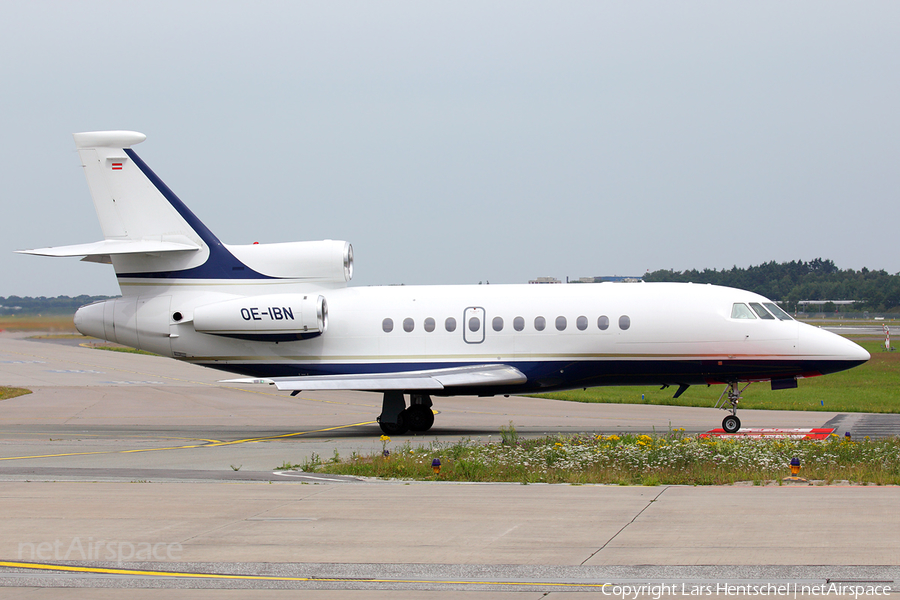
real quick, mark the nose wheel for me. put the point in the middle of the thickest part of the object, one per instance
(731, 423)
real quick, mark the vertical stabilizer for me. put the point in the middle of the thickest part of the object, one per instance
(128, 205)
(150, 234)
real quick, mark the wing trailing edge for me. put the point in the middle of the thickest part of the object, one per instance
(430, 379)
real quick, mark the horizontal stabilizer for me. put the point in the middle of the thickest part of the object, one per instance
(114, 247)
(431, 379)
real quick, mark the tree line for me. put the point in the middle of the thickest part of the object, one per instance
(790, 282)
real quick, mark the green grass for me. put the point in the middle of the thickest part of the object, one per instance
(872, 387)
(624, 459)
(125, 349)
(11, 392)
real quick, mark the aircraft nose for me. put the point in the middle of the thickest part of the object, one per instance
(829, 351)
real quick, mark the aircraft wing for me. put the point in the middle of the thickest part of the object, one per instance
(430, 379)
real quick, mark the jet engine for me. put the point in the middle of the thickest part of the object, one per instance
(275, 317)
(325, 261)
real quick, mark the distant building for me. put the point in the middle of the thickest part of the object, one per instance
(602, 278)
(821, 302)
(618, 278)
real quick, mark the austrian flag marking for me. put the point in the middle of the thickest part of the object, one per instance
(117, 166)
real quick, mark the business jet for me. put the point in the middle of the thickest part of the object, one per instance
(283, 314)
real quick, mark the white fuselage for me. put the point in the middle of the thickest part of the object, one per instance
(593, 334)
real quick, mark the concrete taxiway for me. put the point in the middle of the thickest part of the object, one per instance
(119, 471)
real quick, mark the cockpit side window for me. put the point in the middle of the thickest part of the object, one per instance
(739, 310)
(758, 309)
(777, 311)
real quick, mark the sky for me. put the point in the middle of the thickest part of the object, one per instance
(459, 142)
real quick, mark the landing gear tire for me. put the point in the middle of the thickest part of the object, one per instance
(418, 418)
(398, 428)
(731, 424)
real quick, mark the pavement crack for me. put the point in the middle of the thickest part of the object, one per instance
(625, 526)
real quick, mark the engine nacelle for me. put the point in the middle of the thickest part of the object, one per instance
(326, 261)
(274, 318)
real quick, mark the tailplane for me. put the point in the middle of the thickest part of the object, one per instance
(143, 230)
(150, 234)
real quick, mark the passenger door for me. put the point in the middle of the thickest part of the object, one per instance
(473, 325)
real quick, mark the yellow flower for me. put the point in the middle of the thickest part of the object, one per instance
(384, 438)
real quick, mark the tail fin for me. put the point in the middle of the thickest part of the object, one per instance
(130, 205)
(148, 232)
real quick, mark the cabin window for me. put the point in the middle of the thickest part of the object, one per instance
(474, 324)
(624, 322)
(428, 324)
(387, 325)
(561, 323)
(450, 324)
(581, 323)
(540, 323)
(518, 323)
(603, 323)
(740, 311)
(777, 311)
(408, 324)
(497, 323)
(758, 309)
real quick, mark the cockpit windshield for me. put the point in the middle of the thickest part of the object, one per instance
(777, 311)
(739, 310)
(758, 309)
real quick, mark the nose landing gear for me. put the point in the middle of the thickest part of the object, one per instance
(731, 423)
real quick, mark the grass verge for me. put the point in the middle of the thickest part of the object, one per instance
(672, 458)
(867, 388)
(52, 323)
(11, 392)
(125, 349)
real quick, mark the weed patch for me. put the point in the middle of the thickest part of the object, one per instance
(651, 460)
(12, 392)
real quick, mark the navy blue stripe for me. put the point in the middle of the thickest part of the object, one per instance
(221, 263)
(561, 375)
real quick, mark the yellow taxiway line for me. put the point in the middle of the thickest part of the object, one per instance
(189, 575)
(208, 444)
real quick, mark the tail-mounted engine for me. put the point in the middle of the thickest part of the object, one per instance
(325, 261)
(273, 318)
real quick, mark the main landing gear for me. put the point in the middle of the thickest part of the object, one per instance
(396, 418)
(731, 423)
